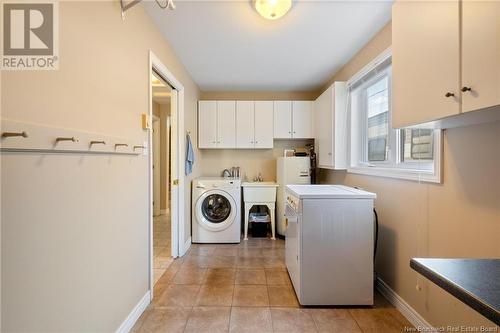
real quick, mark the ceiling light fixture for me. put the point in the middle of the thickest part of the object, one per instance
(272, 9)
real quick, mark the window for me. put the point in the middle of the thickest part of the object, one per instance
(376, 148)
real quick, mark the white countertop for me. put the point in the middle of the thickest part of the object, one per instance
(259, 184)
(328, 192)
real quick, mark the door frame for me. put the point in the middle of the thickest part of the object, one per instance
(179, 247)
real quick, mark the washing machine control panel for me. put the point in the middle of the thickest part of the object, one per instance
(293, 201)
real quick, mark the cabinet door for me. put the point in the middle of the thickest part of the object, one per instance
(480, 54)
(339, 126)
(302, 120)
(226, 124)
(245, 124)
(323, 133)
(263, 124)
(207, 124)
(425, 61)
(282, 119)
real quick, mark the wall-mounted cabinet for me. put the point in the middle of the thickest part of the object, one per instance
(330, 127)
(254, 124)
(446, 59)
(216, 124)
(293, 120)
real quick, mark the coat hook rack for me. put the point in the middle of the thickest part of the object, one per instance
(168, 4)
(96, 143)
(14, 134)
(72, 139)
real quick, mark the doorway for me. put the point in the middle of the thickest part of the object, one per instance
(162, 164)
(180, 239)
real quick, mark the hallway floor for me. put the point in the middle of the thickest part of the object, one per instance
(162, 246)
(245, 288)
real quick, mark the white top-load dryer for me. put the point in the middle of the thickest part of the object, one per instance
(329, 244)
(216, 210)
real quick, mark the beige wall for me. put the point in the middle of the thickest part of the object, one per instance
(74, 228)
(250, 161)
(459, 218)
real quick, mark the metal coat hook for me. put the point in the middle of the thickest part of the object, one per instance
(72, 139)
(138, 147)
(14, 134)
(96, 143)
(120, 145)
(168, 4)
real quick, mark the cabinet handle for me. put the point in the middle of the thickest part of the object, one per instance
(465, 89)
(449, 94)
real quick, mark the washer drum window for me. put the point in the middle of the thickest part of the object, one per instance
(216, 208)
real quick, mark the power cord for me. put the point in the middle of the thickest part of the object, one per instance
(376, 234)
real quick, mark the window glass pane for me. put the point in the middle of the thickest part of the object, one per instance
(417, 144)
(377, 103)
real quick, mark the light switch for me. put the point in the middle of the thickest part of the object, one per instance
(145, 122)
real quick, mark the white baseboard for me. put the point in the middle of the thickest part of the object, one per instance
(406, 310)
(185, 247)
(136, 312)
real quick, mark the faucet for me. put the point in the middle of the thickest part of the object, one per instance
(258, 178)
(226, 173)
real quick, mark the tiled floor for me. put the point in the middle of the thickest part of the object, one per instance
(161, 246)
(245, 288)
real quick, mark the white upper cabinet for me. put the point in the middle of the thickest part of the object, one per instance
(425, 61)
(245, 120)
(216, 124)
(226, 129)
(252, 124)
(293, 120)
(264, 124)
(207, 124)
(302, 120)
(480, 54)
(445, 61)
(282, 119)
(330, 127)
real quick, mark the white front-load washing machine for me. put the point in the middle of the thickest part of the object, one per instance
(216, 210)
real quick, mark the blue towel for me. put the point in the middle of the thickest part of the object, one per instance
(189, 155)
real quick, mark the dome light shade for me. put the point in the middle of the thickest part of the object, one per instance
(272, 9)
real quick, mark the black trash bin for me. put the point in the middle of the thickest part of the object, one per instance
(259, 229)
(260, 223)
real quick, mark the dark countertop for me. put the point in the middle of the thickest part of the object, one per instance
(476, 282)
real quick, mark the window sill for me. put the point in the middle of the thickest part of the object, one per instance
(398, 173)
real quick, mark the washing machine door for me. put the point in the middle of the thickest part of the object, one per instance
(215, 210)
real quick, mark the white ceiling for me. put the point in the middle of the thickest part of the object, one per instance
(227, 46)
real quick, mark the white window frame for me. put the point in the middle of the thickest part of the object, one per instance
(393, 167)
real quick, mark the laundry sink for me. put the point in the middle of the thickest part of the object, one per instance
(259, 191)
